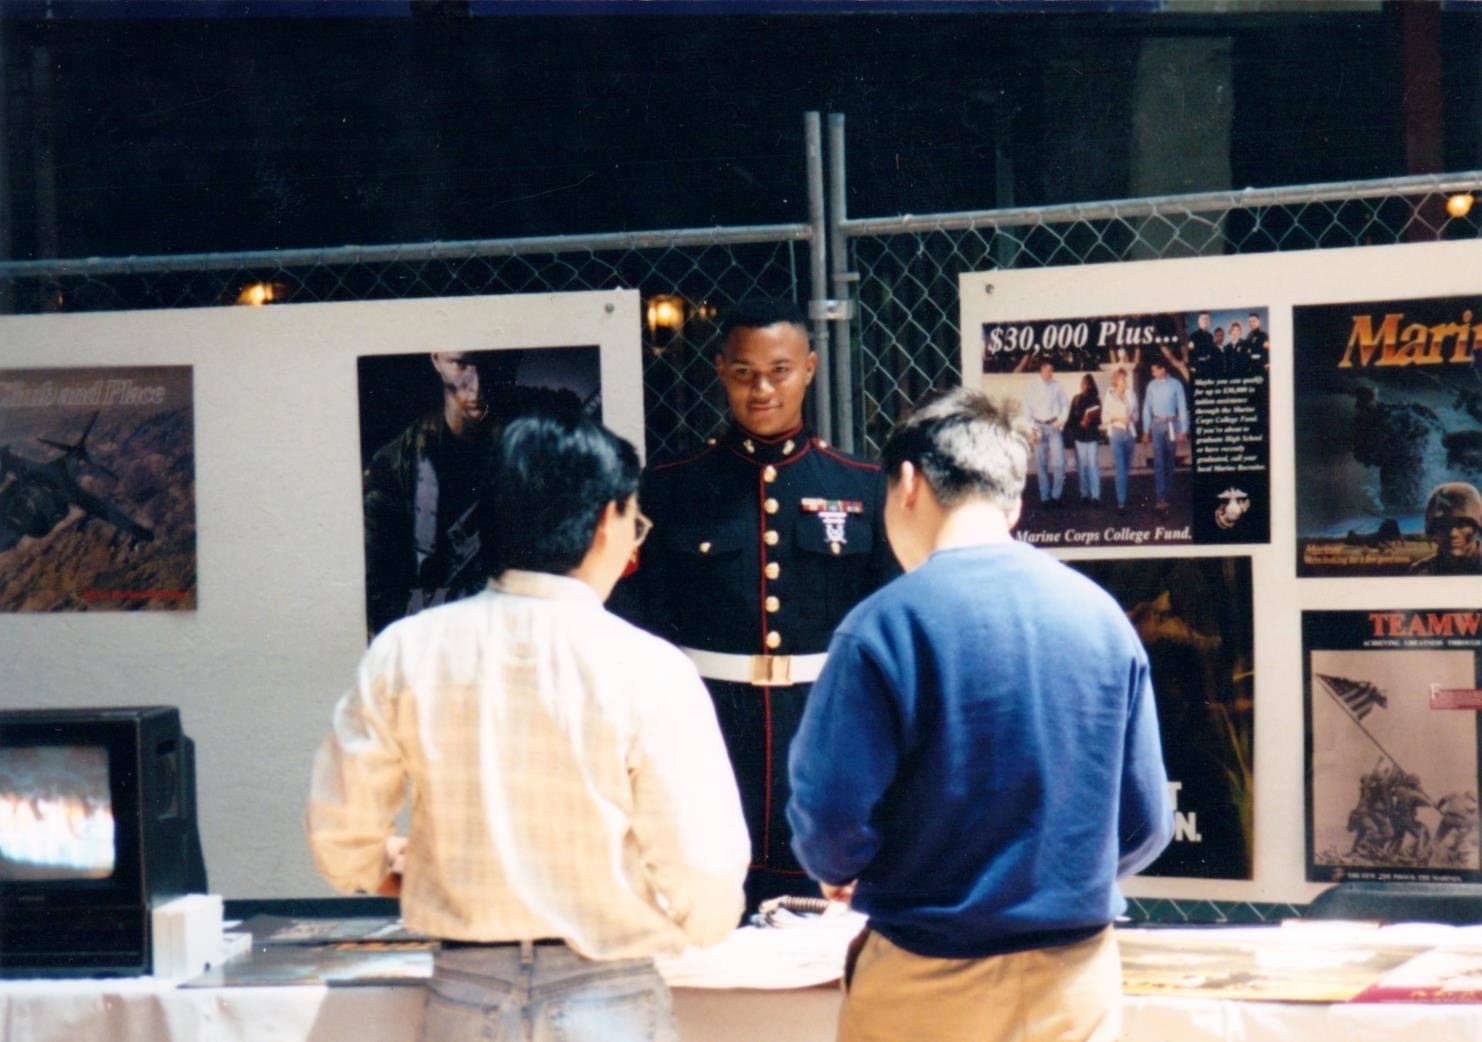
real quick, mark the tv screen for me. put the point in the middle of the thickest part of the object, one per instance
(97, 824)
(56, 813)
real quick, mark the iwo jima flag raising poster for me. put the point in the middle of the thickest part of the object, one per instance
(1194, 617)
(1148, 428)
(97, 489)
(1392, 744)
(1389, 437)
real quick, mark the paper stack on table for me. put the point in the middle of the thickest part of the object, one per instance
(186, 935)
(807, 952)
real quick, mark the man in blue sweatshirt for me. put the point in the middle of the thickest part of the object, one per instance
(979, 761)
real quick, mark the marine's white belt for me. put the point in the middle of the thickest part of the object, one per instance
(762, 670)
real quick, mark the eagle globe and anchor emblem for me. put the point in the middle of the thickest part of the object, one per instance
(1234, 505)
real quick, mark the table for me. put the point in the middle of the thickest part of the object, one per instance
(153, 1010)
(146, 1010)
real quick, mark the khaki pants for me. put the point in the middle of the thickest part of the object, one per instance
(1068, 994)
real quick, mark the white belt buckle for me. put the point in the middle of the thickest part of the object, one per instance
(771, 670)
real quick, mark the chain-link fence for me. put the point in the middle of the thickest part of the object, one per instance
(687, 278)
(898, 273)
(905, 337)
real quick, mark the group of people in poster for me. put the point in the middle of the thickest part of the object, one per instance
(1091, 418)
(1387, 826)
(1227, 351)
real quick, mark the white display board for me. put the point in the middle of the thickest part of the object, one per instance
(280, 612)
(1274, 283)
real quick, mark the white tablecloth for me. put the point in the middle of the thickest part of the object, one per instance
(712, 1005)
(146, 1010)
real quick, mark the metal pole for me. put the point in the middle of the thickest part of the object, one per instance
(7, 242)
(818, 270)
(44, 112)
(843, 284)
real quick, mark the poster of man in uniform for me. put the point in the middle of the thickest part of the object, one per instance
(1389, 437)
(1148, 429)
(1194, 617)
(1392, 744)
(428, 422)
(97, 489)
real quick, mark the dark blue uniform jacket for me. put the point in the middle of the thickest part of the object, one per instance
(760, 546)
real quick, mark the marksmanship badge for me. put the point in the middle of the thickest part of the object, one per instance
(833, 525)
(834, 513)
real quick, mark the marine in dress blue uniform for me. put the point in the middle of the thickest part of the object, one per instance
(762, 542)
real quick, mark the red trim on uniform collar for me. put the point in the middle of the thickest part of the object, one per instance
(767, 451)
(688, 459)
(861, 464)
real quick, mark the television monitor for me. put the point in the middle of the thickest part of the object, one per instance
(97, 821)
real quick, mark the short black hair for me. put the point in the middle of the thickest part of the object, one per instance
(554, 472)
(761, 312)
(965, 445)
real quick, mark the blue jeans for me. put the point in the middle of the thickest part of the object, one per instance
(1088, 468)
(1161, 435)
(490, 994)
(1049, 448)
(1122, 446)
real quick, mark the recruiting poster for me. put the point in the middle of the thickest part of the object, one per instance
(1389, 437)
(1194, 617)
(428, 422)
(1147, 428)
(1392, 744)
(97, 489)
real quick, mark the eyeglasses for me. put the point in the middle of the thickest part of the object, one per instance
(641, 527)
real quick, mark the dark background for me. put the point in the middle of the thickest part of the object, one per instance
(134, 128)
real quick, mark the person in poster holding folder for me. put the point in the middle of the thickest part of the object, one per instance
(1084, 424)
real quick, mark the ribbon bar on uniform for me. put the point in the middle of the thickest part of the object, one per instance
(760, 670)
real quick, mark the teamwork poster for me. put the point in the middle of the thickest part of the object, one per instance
(1389, 437)
(1392, 745)
(428, 423)
(1194, 617)
(1147, 428)
(97, 489)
